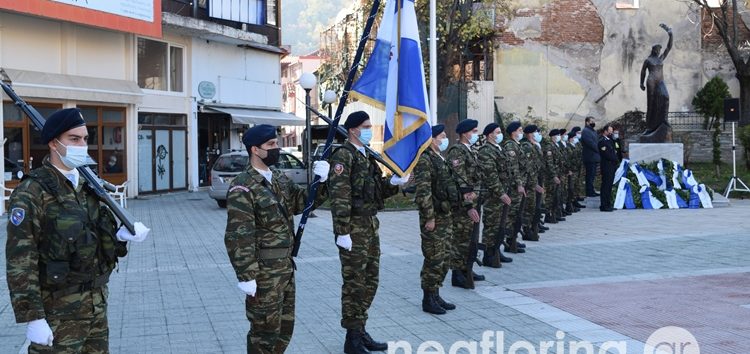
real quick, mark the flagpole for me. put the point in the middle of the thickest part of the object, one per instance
(313, 188)
(433, 63)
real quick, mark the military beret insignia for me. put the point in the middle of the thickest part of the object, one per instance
(17, 215)
(240, 188)
(604, 148)
(338, 169)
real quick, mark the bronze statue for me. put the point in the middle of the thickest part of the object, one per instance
(658, 129)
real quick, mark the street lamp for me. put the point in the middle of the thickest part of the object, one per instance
(308, 81)
(329, 97)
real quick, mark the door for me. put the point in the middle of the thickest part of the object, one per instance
(162, 159)
(145, 161)
(179, 159)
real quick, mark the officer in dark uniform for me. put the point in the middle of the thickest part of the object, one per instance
(62, 246)
(608, 166)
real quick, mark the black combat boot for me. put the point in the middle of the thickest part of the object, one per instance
(550, 218)
(444, 304)
(458, 279)
(353, 344)
(503, 258)
(490, 258)
(578, 205)
(476, 277)
(430, 303)
(529, 234)
(371, 344)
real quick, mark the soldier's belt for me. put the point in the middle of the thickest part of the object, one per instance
(98, 282)
(274, 253)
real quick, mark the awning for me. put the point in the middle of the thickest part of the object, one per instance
(257, 116)
(72, 87)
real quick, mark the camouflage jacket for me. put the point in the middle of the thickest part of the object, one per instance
(497, 175)
(563, 163)
(549, 151)
(59, 237)
(260, 220)
(357, 187)
(534, 162)
(436, 189)
(464, 163)
(515, 163)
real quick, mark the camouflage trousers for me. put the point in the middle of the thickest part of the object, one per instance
(360, 270)
(550, 197)
(530, 207)
(492, 214)
(436, 251)
(462, 228)
(79, 333)
(271, 310)
(513, 212)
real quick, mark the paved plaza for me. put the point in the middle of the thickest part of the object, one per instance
(596, 277)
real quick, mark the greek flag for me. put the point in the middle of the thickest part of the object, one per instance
(393, 80)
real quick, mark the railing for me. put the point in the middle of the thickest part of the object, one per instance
(687, 121)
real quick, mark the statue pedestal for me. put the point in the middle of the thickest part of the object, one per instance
(652, 152)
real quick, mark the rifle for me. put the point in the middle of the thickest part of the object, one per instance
(471, 256)
(517, 225)
(96, 184)
(334, 124)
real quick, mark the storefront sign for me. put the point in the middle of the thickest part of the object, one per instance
(138, 9)
(207, 89)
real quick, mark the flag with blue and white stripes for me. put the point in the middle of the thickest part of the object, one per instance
(394, 81)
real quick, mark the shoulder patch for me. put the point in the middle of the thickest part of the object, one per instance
(456, 162)
(338, 169)
(604, 148)
(17, 215)
(239, 188)
(512, 153)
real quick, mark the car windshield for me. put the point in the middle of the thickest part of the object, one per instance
(231, 163)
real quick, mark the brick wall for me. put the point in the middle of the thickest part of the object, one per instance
(563, 21)
(711, 39)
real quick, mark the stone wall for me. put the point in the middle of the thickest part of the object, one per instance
(698, 146)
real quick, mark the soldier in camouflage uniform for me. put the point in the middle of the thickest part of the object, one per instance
(571, 203)
(496, 177)
(552, 177)
(463, 161)
(436, 193)
(534, 169)
(62, 247)
(261, 204)
(565, 173)
(517, 169)
(578, 185)
(358, 189)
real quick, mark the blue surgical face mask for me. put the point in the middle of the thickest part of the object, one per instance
(537, 137)
(443, 144)
(557, 139)
(499, 138)
(365, 135)
(75, 156)
(473, 139)
(575, 140)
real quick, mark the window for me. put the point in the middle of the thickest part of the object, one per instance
(627, 4)
(106, 127)
(24, 149)
(160, 66)
(256, 12)
(271, 12)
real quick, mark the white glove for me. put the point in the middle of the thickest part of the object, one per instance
(321, 168)
(344, 241)
(249, 287)
(38, 331)
(141, 231)
(400, 181)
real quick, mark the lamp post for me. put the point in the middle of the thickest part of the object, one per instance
(328, 98)
(307, 81)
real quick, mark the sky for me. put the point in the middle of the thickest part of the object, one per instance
(303, 20)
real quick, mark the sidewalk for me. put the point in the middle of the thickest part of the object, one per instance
(597, 277)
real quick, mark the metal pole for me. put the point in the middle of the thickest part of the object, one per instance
(433, 63)
(308, 138)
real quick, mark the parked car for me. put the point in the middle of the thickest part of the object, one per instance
(229, 165)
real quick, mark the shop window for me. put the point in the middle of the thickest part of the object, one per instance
(106, 127)
(160, 66)
(24, 149)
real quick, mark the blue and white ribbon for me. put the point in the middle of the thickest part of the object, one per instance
(642, 181)
(676, 175)
(703, 195)
(622, 170)
(662, 175)
(648, 200)
(624, 198)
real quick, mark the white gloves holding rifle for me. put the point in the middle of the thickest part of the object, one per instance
(400, 181)
(344, 241)
(321, 168)
(141, 231)
(39, 332)
(249, 287)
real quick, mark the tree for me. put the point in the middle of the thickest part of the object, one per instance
(725, 22)
(709, 101)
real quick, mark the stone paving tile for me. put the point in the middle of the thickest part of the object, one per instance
(176, 292)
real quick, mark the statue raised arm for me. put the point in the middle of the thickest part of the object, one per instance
(658, 129)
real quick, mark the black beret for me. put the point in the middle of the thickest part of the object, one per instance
(576, 129)
(562, 131)
(466, 125)
(531, 128)
(490, 128)
(258, 135)
(356, 119)
(572, 135)
(554, 132)
(513, 126)
(60, 122)
(437, 129)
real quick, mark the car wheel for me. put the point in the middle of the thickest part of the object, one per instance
(221, 203)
